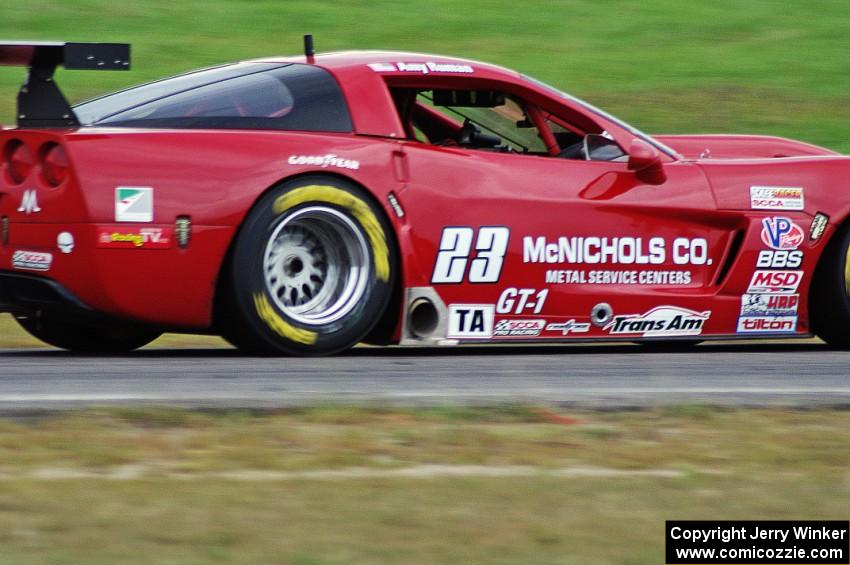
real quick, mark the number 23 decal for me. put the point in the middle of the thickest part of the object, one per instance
(454, 255)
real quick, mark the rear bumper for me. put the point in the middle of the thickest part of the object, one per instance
(27, 294)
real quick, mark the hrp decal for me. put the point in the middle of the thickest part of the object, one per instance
(769, 304)
(780, 232)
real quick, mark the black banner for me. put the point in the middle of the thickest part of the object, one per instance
(768, 542)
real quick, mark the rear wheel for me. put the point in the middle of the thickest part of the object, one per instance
(311, 271)
(829, 302)
(110, 338)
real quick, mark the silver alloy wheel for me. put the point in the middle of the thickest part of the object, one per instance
(316, 265)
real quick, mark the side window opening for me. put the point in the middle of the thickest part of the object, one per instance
(495, 121)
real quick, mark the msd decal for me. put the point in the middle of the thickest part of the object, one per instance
(767, 282)
(781, 233)
(471, 321)
(776, 198)
(660, 321)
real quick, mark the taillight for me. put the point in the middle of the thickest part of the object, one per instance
(54, 164)
(19, 160)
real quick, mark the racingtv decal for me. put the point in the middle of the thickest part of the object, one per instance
(615, 250)
(121, 237)
(470, 321)
(423, 68)
(660, 321)
(776, 198)
(324, 161)
(672, 278)
(32, 260)
(775, 282)
(781, 233)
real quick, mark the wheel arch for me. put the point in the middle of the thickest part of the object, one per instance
(387, 326)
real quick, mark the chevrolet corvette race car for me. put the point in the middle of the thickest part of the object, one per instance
(301, 205)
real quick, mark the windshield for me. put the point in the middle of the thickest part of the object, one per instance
(591, 108)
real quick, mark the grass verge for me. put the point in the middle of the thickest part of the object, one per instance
(442, 485)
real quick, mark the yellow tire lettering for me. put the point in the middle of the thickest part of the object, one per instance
(847, 271)
(278, 324)
(359, 209)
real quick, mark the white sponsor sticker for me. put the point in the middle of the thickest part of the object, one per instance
(424, 68)
(767, 324)
(660, 278)
(769, 304)
(776, 198)
(470, 321)
(133, 204)
(660, 321)
(570, 326)
(32, 260)
(518, 328)
(324, 161)
(775, 282)
(615, 250)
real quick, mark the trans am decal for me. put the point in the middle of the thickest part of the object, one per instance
(660, 321)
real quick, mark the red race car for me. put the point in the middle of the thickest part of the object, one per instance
(301, 205)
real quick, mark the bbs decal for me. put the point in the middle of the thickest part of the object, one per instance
(770, 259)
(456, 254)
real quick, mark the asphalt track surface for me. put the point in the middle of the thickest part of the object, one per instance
(604, 376)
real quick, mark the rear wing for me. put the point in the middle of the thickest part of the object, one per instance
(40, 102)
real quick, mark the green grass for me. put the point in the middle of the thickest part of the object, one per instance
(760, 66)
(171, 486)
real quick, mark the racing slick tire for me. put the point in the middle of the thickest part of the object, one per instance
(311, 271)
(829, 302)
(110, 338)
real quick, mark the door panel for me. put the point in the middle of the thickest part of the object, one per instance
(557, 237)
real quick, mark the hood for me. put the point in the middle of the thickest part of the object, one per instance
(739, 146)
